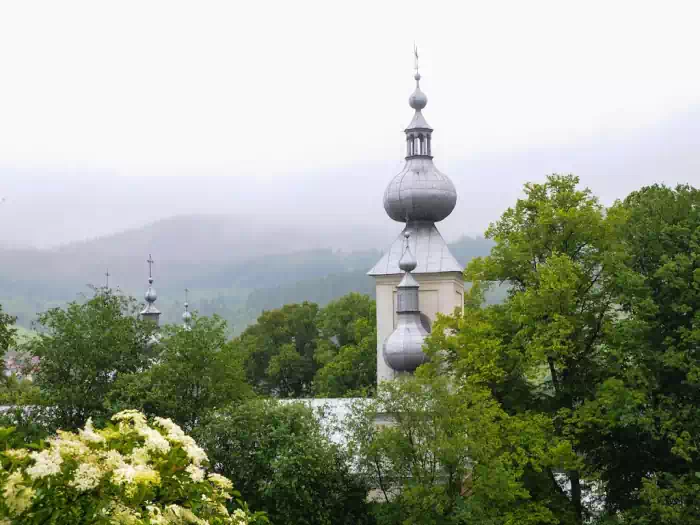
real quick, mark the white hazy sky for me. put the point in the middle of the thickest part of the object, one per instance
(168, 87)
(285, 109)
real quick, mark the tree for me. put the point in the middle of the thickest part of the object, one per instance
(7, 336)
(196, 370)
(281, 459)
(543, 350)
(641, 430)
(279, 350)
(84, 351)
(444, 455)
(347, 347)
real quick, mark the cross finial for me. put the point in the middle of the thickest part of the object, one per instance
(107, 274)
(186, 292)
(150, 262)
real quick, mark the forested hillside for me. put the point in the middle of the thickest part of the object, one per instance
(231, 268)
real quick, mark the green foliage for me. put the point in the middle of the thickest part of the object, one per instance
(129, 472)
(280, 349)
(445, 455)
(13, 389)
(300, 350)
(641, 430)
(283, 462)
(195, 370)
(7, 336)
(599, 335)
(544, 349)
(83, 352)
(7, 331)
(29, 425)
(348, 347)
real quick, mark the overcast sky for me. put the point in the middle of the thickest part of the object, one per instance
(95, 97)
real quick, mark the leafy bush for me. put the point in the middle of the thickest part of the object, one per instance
(284, 462)
(130, 472)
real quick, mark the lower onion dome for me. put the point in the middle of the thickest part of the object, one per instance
(403, 349)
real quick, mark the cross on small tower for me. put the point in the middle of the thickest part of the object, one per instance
(150, 262)
(107, 274)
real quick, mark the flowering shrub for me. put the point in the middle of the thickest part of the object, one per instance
(129, 472)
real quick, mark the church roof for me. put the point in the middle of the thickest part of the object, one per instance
(427, 245)
(418, 122)
(150, 309)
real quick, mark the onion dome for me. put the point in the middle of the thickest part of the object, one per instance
(186, 315)
(418, 100)
(403, 349)
(150, 312)
(150, 294)
(420, 192)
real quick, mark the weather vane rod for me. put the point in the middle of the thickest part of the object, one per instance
(415, 57)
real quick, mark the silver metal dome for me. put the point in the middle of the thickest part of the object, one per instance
(420, 193)
(408, 262)
(403, 349)
(418, 100)
(150, 294)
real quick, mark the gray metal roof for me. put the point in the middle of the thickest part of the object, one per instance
(420, 192)
(150, 309)
(418, 122)
(428, 247)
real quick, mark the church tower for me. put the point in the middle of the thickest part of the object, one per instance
(418, 196)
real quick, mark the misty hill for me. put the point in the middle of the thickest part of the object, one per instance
(232, 267)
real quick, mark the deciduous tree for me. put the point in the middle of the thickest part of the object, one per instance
(83, 350)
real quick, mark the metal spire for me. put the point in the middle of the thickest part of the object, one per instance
(107, 274)
(150, 312)
(150, 262)
(415, 60)
(186, 315)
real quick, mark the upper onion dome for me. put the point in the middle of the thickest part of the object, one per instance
(420, 192)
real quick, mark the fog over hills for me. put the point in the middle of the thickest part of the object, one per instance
(341, 205)
(232, 267)
(233, 237)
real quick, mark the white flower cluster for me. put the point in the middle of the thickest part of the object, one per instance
(176, 435)
(108, 457)
(46, 463)
(87, 477)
